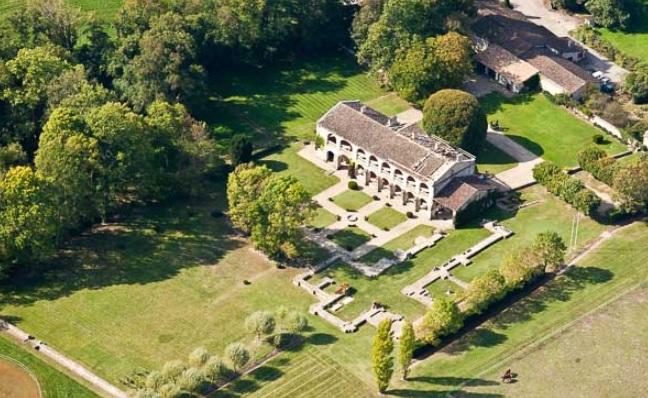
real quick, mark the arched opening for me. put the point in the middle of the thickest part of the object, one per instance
(373, 161)
(360, 170)
(423, 204)
(424, 189)
(343, 162)
(346, 146)
(397, 190)
(362, 156)
(330, 156)
(411, 182)
(330, 139)
(372, 176)
(384, 168)
(409, 198)
(398, 175)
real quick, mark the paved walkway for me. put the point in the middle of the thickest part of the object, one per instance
(412, 115)
(561, 23)
(64, 361)
(522, 174)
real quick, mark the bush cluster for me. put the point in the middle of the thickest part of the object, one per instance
(353, 185)
(596, 161)
(518, 269)
(592, 38)
(566, 187)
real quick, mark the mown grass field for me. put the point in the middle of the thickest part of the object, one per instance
(633, 41)
(352, 200)
(386, 218)
(165, 280)
(104, 9)
(152, 288)
(53, 383)
(544, 128)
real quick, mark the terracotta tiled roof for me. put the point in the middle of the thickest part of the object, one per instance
(504, 62)
(568, 75)
(381, 136)
(461, 190)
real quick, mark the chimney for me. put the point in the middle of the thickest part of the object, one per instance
(392, 122)
(363, 109)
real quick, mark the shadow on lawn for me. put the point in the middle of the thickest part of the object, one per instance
(153, 244)
(560, 289)
(440, 394)
(258, 101)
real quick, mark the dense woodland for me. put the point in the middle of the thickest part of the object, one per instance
(96, 116)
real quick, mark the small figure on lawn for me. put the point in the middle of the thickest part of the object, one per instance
(507, 377)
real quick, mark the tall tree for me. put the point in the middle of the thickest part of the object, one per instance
(430, 65)
(71, 160)
(23, 85)
(244, 186)
(608, 13)
(631, 185)
(164, 63)
(483, 291)
(381, 355)
(27, 227)
(279, 214)
(406, 348)
(549, 248)
(441, 319)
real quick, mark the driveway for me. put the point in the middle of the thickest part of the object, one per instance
(522, 174)
(561, 24)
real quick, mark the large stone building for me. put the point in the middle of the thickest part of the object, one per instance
(520, 54)
(426, 173)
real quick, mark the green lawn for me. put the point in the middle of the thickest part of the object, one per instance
(150, 289)
(53, 383)
(598, 343)
(352, 200)
(543, 128)
(307, 373)
(403, 242)
(386, 218)
(493, 160)
(390, 104)
(386, 288)
(601, 347)
(550, 214)
(440, 288)
(634, 41)
(322, 218)
(105, 9)
(351, 238)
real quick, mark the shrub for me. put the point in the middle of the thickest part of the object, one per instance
(636, 84)
(375, 197)
(457, 117)
(567, 188)
(409, 214)
(598, 139)
(596, 161)
(319, 141)
(240, 149)
(353, 185)
(483, 291)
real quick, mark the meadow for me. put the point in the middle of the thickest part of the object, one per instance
(104, 9)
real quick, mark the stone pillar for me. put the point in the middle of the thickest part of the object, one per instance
(404, 197)
(391, 191)
(367, 178)
(417, 204)
(380, 186)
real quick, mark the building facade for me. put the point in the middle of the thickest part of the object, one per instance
(411, 165)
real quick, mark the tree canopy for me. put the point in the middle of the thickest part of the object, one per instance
(457, 117)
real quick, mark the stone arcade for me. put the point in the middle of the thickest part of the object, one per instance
(429, 176)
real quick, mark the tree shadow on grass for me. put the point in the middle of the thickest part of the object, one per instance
(530, 145)
(258, 101)
(439, 394)
(153, 244)
(478, 338)
(560, 289)
(321, 339)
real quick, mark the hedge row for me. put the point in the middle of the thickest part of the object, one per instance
(596, 161)
(566, 187)
(592, 38)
